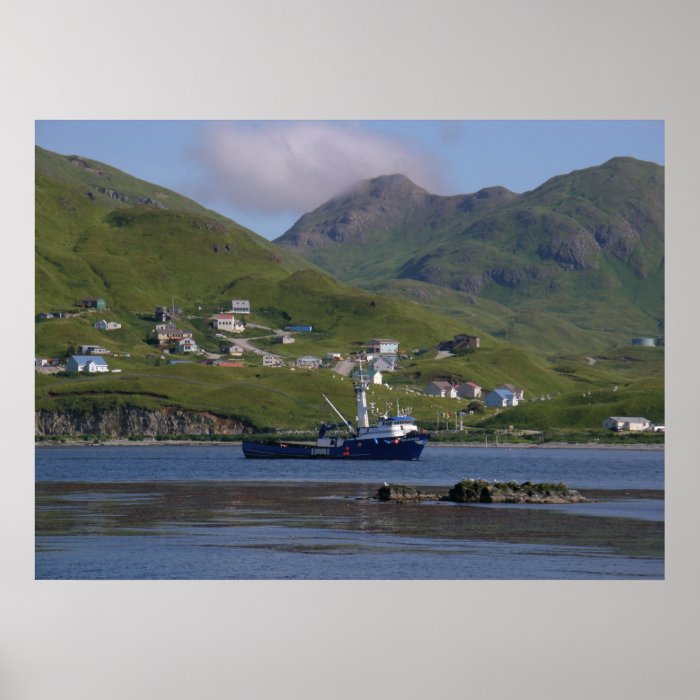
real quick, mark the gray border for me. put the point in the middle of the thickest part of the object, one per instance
(390, 59)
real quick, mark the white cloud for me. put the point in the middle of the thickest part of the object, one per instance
(293, 167)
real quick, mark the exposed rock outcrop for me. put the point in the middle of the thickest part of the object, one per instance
(128, 421)
(480, 491)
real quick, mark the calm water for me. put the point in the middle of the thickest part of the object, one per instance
(584, 468)
(80, 488)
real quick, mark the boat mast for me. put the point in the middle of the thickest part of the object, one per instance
(360, 387)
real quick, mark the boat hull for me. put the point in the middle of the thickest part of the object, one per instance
(361, 448)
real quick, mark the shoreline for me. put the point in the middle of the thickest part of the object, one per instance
(125, 442)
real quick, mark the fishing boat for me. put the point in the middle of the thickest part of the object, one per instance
(393, 437)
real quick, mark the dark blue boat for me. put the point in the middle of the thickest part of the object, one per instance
(397, 437)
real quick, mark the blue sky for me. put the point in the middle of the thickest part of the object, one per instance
(266, 174)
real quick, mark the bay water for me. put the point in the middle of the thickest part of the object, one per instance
(205, 512)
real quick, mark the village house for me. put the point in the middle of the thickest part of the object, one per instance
(469, 390)
(309, 361)
(631, 423)
(240, 306)
(92, 350)
(86, 363)
(383, 346)
(518, 391)
(441, 389)
(107, 325)
(90, 303)
(166, 333)
(460, 342)
(286, 339)
(226, 322)
(501, 398)
(232, 349)
(377, 377)
(334, 356)
(270, 360)
(384, 364)
(186, 345)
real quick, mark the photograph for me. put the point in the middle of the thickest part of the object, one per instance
(349, 349)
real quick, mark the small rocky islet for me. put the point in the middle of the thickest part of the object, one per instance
(481, 491)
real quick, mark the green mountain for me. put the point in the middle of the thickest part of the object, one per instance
(576, 264)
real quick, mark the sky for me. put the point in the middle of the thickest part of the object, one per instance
(266, 174)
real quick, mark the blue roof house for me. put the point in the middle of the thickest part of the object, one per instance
(87, 363)
(501, 398)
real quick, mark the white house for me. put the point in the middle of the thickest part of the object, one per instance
(93, 350)
(86, 363)
(240, 306)
(469, 390)
(270, 360)
(186, 345)
(226, 322)
(377, 377)
(383, 346)
(383, 364)
(501, 398)
(309, 361)
(107, 325)
(632, 423)
(233, 349)
(287, 339)
(441, 389)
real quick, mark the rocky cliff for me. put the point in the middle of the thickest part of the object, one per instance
(128, 421)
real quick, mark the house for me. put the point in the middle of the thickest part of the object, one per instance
(92, 350)
(334, 356)
(166, 333)
(226, 322)
(270, 360)
(469, 390)
(501, 398)
(384, 364)
(165, 313)
(90, 303)
(377, 377)
(186, 345)
(232, 349)
(518, 391)
(460, 342)
(86, 363)
(240, 306)
(107, 325)
(383, 346)
(441, 389)
(286, 339)
(309, 361)
(632, 423)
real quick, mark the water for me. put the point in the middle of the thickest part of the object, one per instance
(205, 512)
(582, 468)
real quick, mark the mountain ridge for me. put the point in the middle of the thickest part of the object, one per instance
(593, 236)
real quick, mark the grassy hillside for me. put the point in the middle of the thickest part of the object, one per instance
(101, 233)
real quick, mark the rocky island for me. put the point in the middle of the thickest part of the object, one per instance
(480, 491)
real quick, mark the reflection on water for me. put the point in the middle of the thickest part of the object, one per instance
(324, 530)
